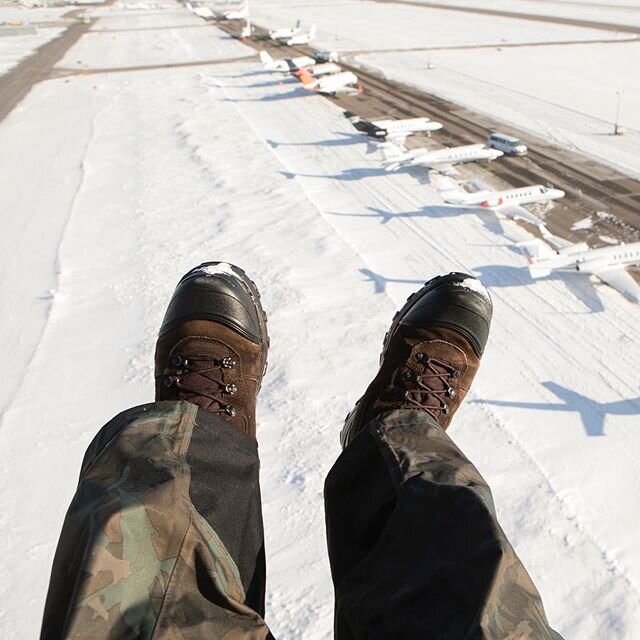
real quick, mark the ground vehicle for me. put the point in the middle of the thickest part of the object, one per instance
(507, 144)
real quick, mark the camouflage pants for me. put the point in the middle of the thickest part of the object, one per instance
(164, 538)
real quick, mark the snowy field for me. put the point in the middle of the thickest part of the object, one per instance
(118, 182)
(47, 24)
(566, 93)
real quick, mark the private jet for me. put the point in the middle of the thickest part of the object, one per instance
(605, 263)
(395, 130)
(440, 160)
(285, 65)
(302, 38)
(323, 69)
(247, 30)
(285, 34)
(343, 82)
(508, 202)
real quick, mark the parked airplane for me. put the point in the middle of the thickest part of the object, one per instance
(286, 65)
(237, 14)
(344, 82)
(302, 38)
(323, 69)
(506, 202)
(247, 30)
(285, 34)
(606, 263)
(395, 130)
(441, 160)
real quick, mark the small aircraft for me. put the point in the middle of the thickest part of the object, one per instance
(302, 38)
(343, 82)
(506, 202)
(395, 130)
(606, 263)
(247, 30)
(440, 160)
(285, 34)
(237, 14)
(323, 69)
(285, 65)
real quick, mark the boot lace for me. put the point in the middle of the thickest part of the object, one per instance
(193, 377)
(431, 387)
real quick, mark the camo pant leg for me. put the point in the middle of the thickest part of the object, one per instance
(415, 549)
(163, 538)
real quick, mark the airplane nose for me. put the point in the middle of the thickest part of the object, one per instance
(559, 193)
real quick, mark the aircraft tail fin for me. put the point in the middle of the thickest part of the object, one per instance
(312, 32)
(455, 196)
(265, 58)
(392, 156)
(308, 81)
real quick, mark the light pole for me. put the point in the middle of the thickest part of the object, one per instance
(617, 130)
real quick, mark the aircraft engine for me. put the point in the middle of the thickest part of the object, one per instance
(592, 266)
(492, 202)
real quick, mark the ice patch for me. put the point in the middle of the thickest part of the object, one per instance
(608, 239)
(221, 267)
(585, 223)
(474, 285)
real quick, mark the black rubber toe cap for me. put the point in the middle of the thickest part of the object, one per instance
(458, 301)
(218, 292)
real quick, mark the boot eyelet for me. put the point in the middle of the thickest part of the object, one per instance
(228, 363)
(176, 360)
(445, 409)
(456, 374)
(230, 410)
(451, 392)
(167, 381)
(408, 375)
(423, 357)
(230, 389)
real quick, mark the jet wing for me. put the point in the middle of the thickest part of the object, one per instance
(519, 213)
(397, 138)
(443, 168)
(622, 280)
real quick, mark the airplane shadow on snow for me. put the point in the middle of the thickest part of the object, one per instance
(592, 413)
(344, 140)
(294, 93)
(432, 211)
(380, 282)
(347, 175)
(497, 276)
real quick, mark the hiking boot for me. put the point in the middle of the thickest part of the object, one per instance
(212, 346)
(430, 354)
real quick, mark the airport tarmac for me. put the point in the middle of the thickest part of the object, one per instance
(593, 190)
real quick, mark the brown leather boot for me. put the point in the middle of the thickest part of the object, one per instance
(213, 342)
(430, 354)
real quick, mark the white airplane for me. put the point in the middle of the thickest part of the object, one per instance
(606, 263)
(394, 130)
(285, 65)
(506, 202)
(302, 38)
(440, 160)
(239, 14)
(285, 34)
(247, 30)
(343, 82)
(323, 69)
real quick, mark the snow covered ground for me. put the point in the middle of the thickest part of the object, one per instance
(566, 93)
(119, 182)
(44, 22)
